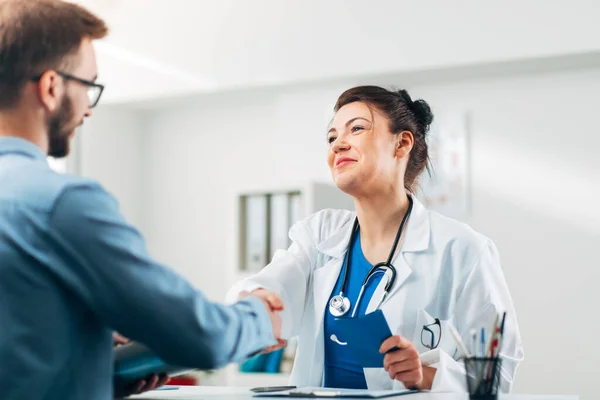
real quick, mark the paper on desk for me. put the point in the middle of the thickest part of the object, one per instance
(364, 336)
(312, 392)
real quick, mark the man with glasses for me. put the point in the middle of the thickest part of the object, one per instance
(72, 270)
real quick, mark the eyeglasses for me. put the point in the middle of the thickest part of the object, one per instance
(94, 89)
(431, 335)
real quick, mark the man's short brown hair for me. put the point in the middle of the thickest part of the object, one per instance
(38, 35)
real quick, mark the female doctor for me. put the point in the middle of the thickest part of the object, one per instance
(423, 270)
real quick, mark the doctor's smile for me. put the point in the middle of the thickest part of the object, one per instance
(342, 161)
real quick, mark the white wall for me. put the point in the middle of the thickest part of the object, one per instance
(110, 150)
(199, 48)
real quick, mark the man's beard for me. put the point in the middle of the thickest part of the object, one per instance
(59, 129)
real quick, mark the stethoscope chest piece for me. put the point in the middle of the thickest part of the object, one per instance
(339, 305)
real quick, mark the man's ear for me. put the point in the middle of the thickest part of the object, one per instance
(50, 89)
(405, 142)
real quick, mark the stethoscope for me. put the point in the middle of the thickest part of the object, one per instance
(339, 305)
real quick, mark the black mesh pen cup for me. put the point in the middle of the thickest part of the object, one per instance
(483, 377)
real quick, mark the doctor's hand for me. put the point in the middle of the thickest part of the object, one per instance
(272, 298)
(404, 365)
(274, 305)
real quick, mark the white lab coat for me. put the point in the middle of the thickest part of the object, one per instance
(444, 269)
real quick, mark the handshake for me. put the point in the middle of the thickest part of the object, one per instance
(274, 306)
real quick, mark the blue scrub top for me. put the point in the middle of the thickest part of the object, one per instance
(342, 370)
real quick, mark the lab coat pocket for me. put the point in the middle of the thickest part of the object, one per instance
(433, 333)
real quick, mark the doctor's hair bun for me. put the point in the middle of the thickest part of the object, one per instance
(404, 114)
(419, 108)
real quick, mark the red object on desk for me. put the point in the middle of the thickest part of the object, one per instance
(182, 381)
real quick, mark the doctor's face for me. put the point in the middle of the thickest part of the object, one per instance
(362, 151)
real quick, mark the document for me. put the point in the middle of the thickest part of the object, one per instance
(336, 393)
(364, 336)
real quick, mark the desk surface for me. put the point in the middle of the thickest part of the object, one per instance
(235, 393)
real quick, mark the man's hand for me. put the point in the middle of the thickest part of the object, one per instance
(119, 339)
(404, 364)
(273, 305)
(150, 382)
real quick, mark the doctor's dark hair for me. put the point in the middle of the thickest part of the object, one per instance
(40, 35)
(404, 114)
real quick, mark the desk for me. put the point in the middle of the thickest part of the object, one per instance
(233, 393)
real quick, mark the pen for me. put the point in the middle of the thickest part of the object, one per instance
(495, 332)
(269, 389)
(493, 335)
(474, 341)
(501, 334)
(502, 324)
(494, 344)
(459, 341)
(167, 388)
(482, 338)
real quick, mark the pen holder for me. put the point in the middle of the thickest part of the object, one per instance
(483, 377)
